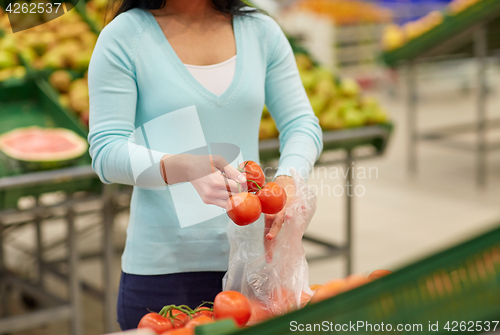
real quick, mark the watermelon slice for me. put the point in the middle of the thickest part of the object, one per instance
(43, 148)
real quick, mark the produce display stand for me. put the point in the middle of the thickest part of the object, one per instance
(55, 308)
(377, 137)
(33, 102)
(474, 32)
(461, 284)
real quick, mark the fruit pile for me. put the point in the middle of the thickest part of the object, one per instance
(10, 65)
(337, 286)
(74, 93)
(65, 42)
(172, 320)
(246, 207)
(396, 36)
(347, 12)
(177, 320)
(337, 103)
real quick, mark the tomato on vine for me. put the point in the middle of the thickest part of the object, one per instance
(254, 175)
(232, 304)
(272, 198)
(243, 208)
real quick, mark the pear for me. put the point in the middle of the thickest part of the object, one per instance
(5, 74)
(7, 59)
(330, 119)
(308, 78)
(318, 103)
(81, 60)
(61, 80)
(73, 30)
(18, 72)
(349, 87)
(88, 39)
(354, 118)
(79, 104)
(303, 62)
(27, 54)
(346, 104)
(9, 43)
(53, 59)
(64, 100)
(267, 129)
(323, 73)
(325, 87)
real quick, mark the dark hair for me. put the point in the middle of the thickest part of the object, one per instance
(233, 7)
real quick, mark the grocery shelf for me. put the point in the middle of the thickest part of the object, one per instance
(453, 36)
(474, 32)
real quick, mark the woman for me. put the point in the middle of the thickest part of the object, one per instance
(168, 80)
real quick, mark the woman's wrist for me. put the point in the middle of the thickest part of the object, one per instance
(174, 168)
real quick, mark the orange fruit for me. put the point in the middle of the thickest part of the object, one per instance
(330, 289)
(379, 274)
(315, 287)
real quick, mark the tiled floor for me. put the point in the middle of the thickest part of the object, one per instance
(398, 219)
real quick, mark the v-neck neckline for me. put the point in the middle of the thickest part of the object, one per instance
(218, 99)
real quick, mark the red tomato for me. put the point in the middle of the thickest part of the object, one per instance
(254, 175)
(158, 323)
(379, 274)
(180, 316)
(243, 208)
(180, 331)
(204, 310)
(198, 321)
(272, 198)
(259, 313)
(232, 304)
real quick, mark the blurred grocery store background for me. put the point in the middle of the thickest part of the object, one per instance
(407, 96)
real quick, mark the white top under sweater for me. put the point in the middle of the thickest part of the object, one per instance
(216, 78)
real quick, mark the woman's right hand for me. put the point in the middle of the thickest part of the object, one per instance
(205, 174)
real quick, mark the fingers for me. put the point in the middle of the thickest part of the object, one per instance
(233, 186)
(276, 225)
(268, 242)
(221, 164)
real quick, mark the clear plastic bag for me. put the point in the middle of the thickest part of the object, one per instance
(282, 285)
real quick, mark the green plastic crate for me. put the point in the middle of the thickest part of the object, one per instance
(451, 26)
(461, 284)
(34, 103)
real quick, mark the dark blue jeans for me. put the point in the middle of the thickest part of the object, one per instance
(138, 293)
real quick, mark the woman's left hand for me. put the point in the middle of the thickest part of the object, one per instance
(274, 222)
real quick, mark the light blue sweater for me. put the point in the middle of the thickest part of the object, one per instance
(145, 103)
